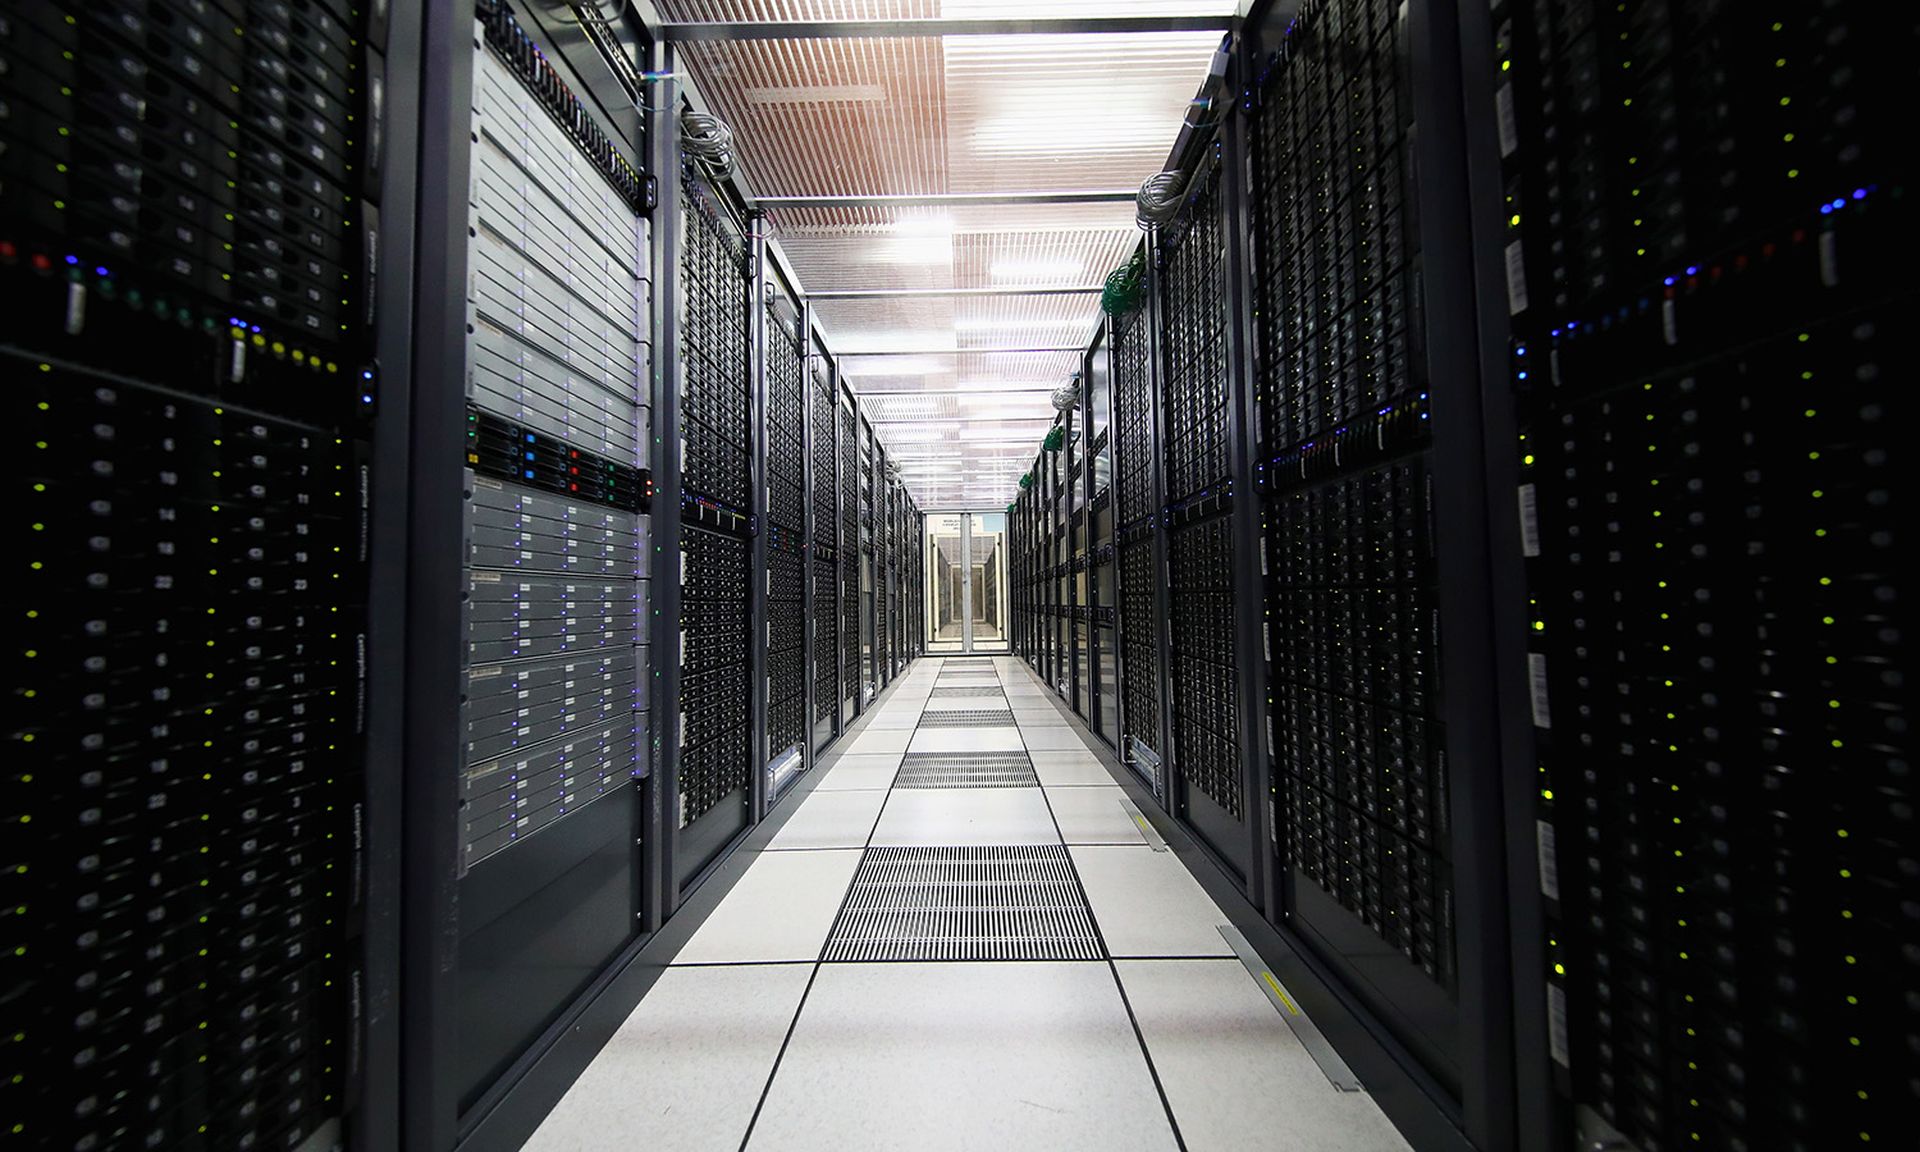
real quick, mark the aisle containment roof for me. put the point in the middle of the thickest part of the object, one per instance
(935, 116)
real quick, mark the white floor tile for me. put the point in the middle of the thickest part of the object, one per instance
(880, 740)
(831, 820)
(1147, 904)
(856, 772)
(938, 1057)
(1052, 738)
(1067, 769)
(781, 909)
(702, 1043)
(1232, 1070)
(996, 739)
(1094, 816)
(895, 716)
(964, 816)
(1038, 718)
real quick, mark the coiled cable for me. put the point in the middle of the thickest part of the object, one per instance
(708, 143)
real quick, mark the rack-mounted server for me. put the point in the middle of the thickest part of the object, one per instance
(1704, 205)
(187, 348)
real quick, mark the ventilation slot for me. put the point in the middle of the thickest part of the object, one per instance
(966, 770)
(979, 903)
(962, 693)
(968, 718)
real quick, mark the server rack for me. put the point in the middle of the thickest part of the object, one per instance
(851, 563)
(787, 400)
(555, 674)
(190, 362)
(824, 543)
(1102, 660)
(715, 784)
(1141, 560)
(1210, 785)
(1700, 271)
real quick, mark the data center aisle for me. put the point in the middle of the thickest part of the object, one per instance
(961, 940)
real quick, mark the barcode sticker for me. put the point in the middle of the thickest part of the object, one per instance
(1549, 860)
(1829, 260)
(1503, 111)
(1529, 521)
(1266, 641)
(1516, 279)
(1263, 560)
(1670, 322)
(1557, 1025)
(1537, 675)
(683, 647)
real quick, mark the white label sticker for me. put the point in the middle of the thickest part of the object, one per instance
(683, 647)
(1549, 860)
(1503, 112)
(1829, 260)
(1516, 279)
(1529, 521)
(1537, 676)
(1670, 322)
(1263, 561)
(1557, 1024)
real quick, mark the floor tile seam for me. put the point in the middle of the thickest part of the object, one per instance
(1113, 971)
(793, 1024)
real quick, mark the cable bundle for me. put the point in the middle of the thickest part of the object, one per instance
(1122, 292)
(708, 142)
(1159, 199)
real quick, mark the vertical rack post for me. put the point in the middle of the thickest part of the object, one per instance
(760, 485)
(661, 797)
(1249, 598)
(1162, 570)
(1466, 578)
(430, 842)
(808, 645)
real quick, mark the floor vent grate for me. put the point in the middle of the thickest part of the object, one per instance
(980, 693)
(967, 680)
(966, 770)
(968, 718)
(1018, 902)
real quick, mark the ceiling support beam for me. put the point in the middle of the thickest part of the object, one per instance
(722, 30)
(953, 199)
(953, 293)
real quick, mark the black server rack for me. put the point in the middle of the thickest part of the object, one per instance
(1706, 221)
(557, 529)
(868, 563)
(1195, 456)
(1136, 514)
(787, 398)
(825, 549)
(715, 784)
(189, 207)
(850, 560)
(1355, 719)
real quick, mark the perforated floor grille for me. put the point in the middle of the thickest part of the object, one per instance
(968, 681)
(966, 770)
(977, 903)
(967, 718)
(979, 693)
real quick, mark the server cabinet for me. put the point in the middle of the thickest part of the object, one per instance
(557, 525)
(851, 560)
(824, 544)
(190, 354)
(786, 402)
(1140, 560)
(1704, 240)
(1210, 785)
(714, 801)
